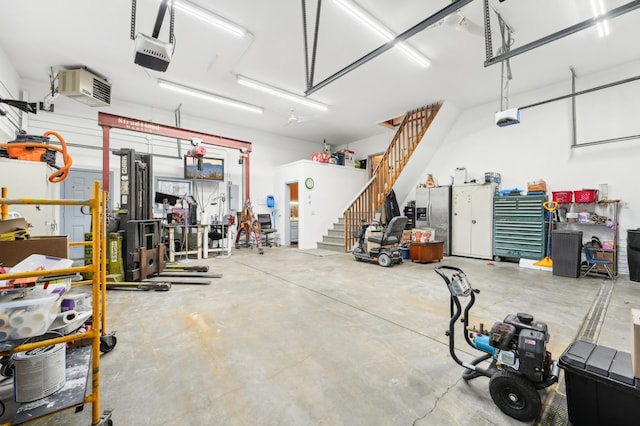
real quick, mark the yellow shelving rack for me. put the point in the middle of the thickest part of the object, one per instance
(97, 268)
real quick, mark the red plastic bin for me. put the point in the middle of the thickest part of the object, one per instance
(562, 197)
(585, 196)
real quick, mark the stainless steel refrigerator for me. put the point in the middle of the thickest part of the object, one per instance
(433, 210)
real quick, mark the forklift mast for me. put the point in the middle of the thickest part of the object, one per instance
(142, 247)
(135, 184)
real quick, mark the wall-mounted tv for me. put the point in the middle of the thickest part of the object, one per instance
(203, 168)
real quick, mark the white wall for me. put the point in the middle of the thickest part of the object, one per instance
(318, 208)
(77, 123)
(9, 89)
(540, 146)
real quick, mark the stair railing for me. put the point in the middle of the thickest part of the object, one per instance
(371, 198)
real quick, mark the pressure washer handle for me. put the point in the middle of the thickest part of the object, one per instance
(457, 284)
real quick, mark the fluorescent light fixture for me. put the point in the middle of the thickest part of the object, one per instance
(208, 96)
(244, 81)
(380, 29)
(209, 17)
(597, 6)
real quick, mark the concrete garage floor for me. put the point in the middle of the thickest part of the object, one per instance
(315, 338)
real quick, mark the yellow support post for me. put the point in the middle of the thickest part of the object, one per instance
(103, 266)
(4, 208)
(98, 268)
(95, 226)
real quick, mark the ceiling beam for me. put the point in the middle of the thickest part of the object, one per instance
(563, 33)
(436, 17)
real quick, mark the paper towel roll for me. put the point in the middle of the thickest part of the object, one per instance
(30, 329)
(64, 318)
(67, 317)
(18, 318)
(4, 321)
(37, 317)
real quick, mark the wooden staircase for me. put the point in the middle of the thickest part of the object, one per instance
(370, 199)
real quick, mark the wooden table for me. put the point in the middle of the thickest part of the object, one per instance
(426, 252)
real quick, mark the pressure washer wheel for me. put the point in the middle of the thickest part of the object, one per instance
(384, 259)
(516, 396)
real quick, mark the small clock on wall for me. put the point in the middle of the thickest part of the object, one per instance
(309, 183)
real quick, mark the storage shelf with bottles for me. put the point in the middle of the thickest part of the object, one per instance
(596, 219)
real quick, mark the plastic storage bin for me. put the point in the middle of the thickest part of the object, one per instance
(562, 197)
(585, 196)
(27, 317)
(601, 389)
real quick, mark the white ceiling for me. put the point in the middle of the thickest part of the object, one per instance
(39, 34)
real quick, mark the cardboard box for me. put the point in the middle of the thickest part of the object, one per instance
(635, 341)
(406, 235)
(13, 252)
(426, 235)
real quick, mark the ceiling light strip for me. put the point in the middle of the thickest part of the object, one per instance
(209, 17)
(379, 28)
(263, 87)
(597, 6)
(209, 96)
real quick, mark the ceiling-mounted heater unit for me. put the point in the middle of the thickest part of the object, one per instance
(84, 86)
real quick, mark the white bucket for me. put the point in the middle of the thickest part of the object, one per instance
(38, 372)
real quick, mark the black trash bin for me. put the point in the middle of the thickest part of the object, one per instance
(601, 389)
(566, 253)
(633, 253)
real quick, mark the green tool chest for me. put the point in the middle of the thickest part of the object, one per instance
(519, 226)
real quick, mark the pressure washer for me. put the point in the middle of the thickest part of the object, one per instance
(519, 364)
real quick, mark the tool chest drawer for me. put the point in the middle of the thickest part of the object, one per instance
(519, 226)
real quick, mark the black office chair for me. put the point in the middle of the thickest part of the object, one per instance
(266, 228)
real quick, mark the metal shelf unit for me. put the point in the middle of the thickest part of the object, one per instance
(611, 210)
(97, 269)
(519, 226)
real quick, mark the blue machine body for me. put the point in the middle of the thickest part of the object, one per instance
(482, 342)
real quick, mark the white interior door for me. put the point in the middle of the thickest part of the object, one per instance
(77, 186)
(482, 221)
(461, 222)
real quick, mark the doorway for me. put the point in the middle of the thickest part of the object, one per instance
(291, 216)
(373, 162)
(77, 186)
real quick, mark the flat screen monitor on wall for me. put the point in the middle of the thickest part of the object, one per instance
(204, 168)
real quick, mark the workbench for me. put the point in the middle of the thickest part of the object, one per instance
(224, 242)
(426, 252)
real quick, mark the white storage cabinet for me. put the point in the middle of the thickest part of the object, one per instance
(472, 220)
